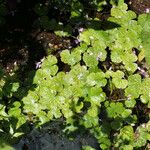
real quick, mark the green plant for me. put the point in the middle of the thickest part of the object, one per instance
(100, 91)
(87, 148)
(146, 36)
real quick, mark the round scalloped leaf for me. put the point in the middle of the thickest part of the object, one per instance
(120, 83)
(134, 33)
(31, 98)
(90, 119)
(141, 19)
(47, 91)
(99, 49)
(48, 68)
(90, 59)
(108, 73)
(90, 36)
(46, 102)
(127, 133)
(134, 86)
(30, 103)
(115, 57)
(144, 98)
(129, 63)
(82, 47)
(67, 92)
(131, 67)
(56, 113)
(49, 61)
(66, 111)
(130, 103)
(126, 147)
(115, 109)
(15, 111)
(65, 55)
(52, 70)
(105, 143)
(70, 58)
(14, 86)
(32, 107)
(45, 74)
(80, 72)
(120, 11)
(39, 76)
(93, 111)
(131, 57)
(96, 95)
(131, 14)
(145, 90)
(96, 79)
(117, 74)
(126, 113)
(142, 135)
(77, 90)
(69, 79)
(57, 80)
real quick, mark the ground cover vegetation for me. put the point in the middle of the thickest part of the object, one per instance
(84, 62)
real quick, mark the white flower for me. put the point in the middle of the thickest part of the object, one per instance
(147, 10)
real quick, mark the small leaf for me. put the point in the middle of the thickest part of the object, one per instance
(145, 91)
(49, 61)
(130, 103)
(87, 148)
(96, 79)
(134, 86)
(18, 134)
(142, 135)
(115, 109)
(120, 83)
(146, 38)
(70, 58)
(90, 59)
(96, 95)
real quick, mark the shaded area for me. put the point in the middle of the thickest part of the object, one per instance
(52, 137)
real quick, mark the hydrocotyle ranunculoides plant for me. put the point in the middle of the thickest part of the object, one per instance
(100, 90)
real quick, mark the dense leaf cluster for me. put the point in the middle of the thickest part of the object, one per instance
(100, 91)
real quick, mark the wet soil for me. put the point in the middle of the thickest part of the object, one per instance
(22, 44)
(139, 6)
(21, 50)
